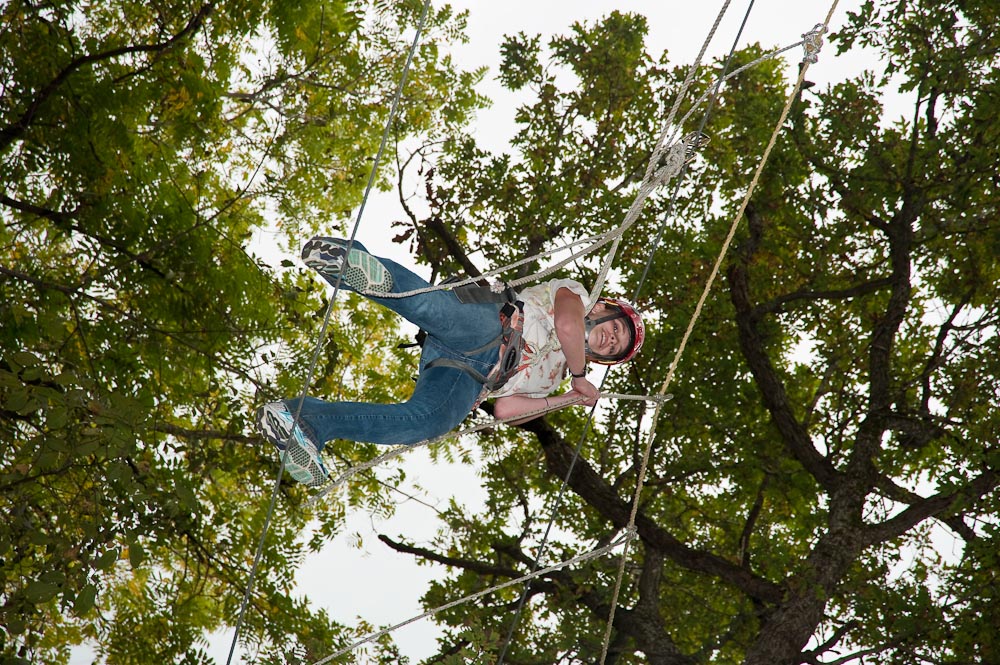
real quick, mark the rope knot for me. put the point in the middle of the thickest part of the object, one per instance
(673, 158)
(812, 42)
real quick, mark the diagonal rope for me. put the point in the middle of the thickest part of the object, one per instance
(648, 187)
(649, 183)
(601, 239)
(371, 637)
(398, 451)
(322, 335)
(596, 241)
(630, 529)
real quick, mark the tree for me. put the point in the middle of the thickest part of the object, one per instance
(142, 146)
(834, 413)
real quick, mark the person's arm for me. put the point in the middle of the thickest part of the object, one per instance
(568, 314)
(512, 406)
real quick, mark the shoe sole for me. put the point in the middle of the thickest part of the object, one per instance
(302, 465)
(364, 272)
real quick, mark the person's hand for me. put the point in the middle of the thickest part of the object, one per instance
(586, 389)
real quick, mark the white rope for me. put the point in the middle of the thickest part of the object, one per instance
(647, 183)
(398, 451)
(371, 637)
(641, 476)
(736, 72)
(664, 164)
(661, 168)
(244, 604)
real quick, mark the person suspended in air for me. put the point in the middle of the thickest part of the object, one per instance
(460, 365)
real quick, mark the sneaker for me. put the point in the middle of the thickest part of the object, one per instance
(302, 458)
(364, 273)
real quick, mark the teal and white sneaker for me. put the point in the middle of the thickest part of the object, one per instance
(364, 273)
(302, 458)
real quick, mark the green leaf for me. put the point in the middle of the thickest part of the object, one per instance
(15, 624)
(136, 554)
(40, 592)
(24, 359)
(187, 497)
(18, 400)
(56, 417)
(85, 600)
(107, 560)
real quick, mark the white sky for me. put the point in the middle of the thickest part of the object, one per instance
(370, 580)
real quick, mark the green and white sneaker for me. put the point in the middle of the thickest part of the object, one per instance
(302, 457)
(364, 273)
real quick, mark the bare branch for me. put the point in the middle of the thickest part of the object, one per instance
(933, 506)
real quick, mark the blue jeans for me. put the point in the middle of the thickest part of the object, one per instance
(443, 395)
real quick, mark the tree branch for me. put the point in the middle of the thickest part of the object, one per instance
(177, 336)
(434, 224)
(464, 564)
(918, 511)
(772, 389)
(891, 490)
(776, 306)
(10, 133)
(66, 221)
(593, 489)
(748, 527)
(204, 434)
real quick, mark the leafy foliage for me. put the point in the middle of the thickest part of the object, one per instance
(832, 416)
(142, 146)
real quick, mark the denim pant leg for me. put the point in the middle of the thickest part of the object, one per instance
(442, 397)
(460, 326)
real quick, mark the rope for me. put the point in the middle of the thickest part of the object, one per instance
(593, 554)
(398, 451)
(322, 335)
(655, 176)
(649, 182)
(630, 529)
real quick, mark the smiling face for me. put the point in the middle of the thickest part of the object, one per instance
(609, 338)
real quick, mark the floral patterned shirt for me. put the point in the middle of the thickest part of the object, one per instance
(543, 365)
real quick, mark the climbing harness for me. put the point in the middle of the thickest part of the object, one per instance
(510, 343)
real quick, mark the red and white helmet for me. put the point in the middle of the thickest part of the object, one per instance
(633, 321)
